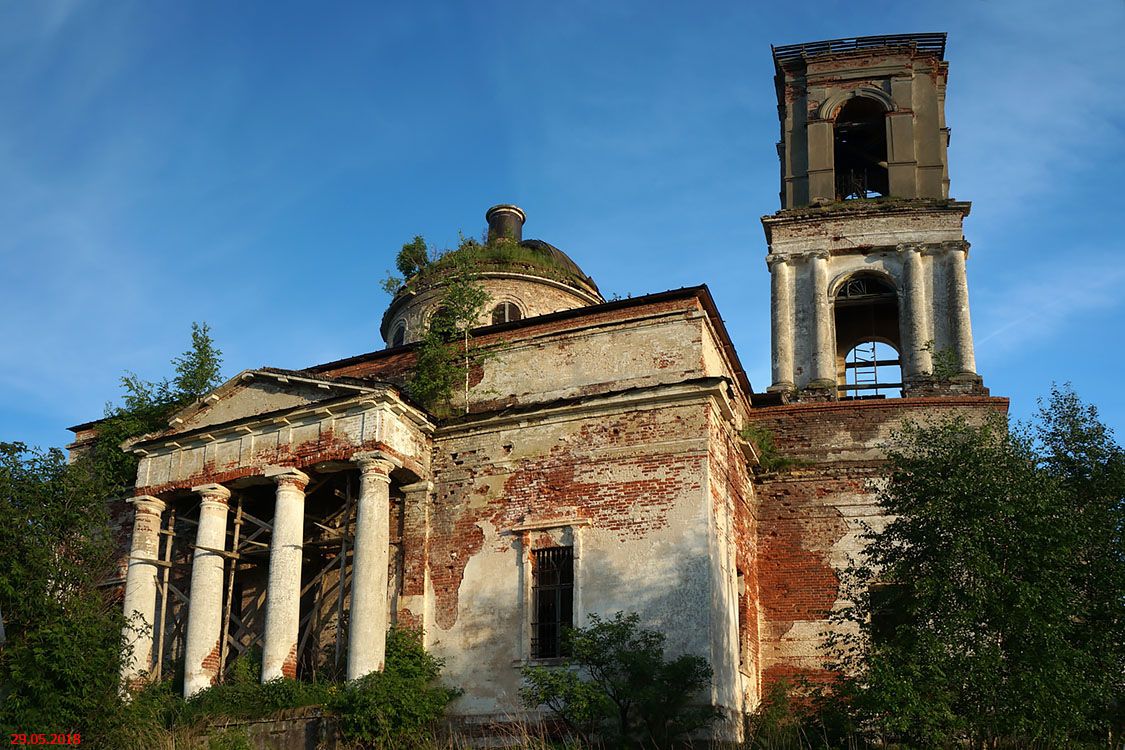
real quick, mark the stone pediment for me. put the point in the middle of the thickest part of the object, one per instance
(268, 418)
(254, 393)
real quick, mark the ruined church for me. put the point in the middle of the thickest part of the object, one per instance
(604, 457)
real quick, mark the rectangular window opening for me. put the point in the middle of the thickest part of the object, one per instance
(740, 606)
(552, 595)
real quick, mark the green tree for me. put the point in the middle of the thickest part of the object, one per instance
(990, 609)
(148, 404)
(617, 687)
(60, 662)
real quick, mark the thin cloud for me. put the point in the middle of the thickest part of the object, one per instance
(1043, 304)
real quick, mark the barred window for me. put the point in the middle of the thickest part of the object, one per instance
(552, 600)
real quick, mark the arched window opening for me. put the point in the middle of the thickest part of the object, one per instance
(860, 150)
(399, 337)
(506, 312)
(872, 370)
(867, 339)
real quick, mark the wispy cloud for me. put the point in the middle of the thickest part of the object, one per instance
(1043, 305)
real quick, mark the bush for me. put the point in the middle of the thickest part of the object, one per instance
(616, 685)
(400, 706)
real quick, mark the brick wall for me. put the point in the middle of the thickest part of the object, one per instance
(810, 517)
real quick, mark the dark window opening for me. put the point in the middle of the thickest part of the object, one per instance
(506, 312)
(890, 610)
(860, 150)
(552, 597)
(867, 339)
(400, 336)
(741, 606)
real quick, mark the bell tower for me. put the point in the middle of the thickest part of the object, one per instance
(867, 255)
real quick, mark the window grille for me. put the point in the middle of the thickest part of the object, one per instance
(552, 600)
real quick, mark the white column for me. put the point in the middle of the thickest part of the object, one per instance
(205, 611)
(824, 363)
(140, 588)
(367, 640)
(781, 319)
(959, 306)
(916, 359)
(283, 592)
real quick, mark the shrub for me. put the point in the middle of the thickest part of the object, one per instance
(617, 686)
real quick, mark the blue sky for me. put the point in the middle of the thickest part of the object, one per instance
(257, 166)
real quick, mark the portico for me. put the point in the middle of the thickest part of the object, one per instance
(287, 529)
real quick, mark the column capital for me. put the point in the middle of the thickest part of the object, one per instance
(904, 248)
(425, 486)
(148, 502)
(375, 463)
(955, 246)
(287, 475)
(773, 260)
(811, 255)
(213, 493)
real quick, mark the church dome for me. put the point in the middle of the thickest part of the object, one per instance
(524, 279)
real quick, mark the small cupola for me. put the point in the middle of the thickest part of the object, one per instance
(523, 278)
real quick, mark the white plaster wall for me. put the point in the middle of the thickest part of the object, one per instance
(650, 555)
(666, 348)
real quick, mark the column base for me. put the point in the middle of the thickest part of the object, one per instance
(817, 391)
(961, 384)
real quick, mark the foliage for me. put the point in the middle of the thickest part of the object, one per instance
(616, 685)
(398, 707)
(946, 364)
(1001, 615)
(63, 637)
(420, 266)
(147, 406)
(230, 739)
(413, 257)
(799, 717)
(770, 457)
(60, 664)
(445, 354)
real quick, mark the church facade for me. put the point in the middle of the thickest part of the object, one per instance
(602, 457)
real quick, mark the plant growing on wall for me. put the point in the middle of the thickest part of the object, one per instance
(945, 362)
(770, 457)
(445, 354)
(616, 687)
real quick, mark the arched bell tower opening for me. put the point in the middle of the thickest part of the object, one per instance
(868, 342)
(868, 293)
(859, 148)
